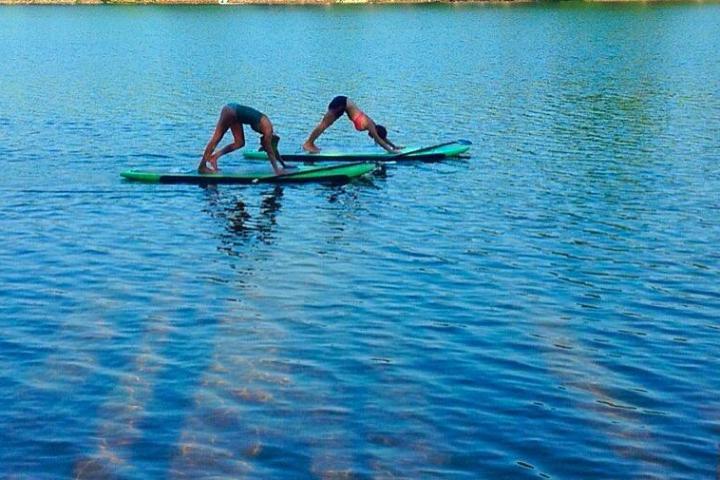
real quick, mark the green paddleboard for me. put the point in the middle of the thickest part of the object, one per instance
(331, 173)
(426, 155)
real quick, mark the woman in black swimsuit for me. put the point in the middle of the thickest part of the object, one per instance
(232, 117)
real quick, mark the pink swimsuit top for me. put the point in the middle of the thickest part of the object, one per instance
(359, 120)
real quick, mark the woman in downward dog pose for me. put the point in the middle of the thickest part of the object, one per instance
(360, 120)
(232, 117)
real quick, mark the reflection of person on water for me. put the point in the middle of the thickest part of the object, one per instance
(241, 224)
(360, 120)
(233, 117)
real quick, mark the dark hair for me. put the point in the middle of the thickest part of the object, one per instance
(382, 131)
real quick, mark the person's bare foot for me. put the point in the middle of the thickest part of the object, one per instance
(310, 148)
(203, 168)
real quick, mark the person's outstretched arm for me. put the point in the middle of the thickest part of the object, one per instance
(272, 154)
(374, 134)
(395, 147)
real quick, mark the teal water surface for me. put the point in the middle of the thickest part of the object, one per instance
(547, 308)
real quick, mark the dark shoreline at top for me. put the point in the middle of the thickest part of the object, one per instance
(327, 2)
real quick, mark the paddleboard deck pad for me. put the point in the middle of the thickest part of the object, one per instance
(430, 155)
(330, 173)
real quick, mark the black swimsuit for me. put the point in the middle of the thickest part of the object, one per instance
(247, 115)
(338, 104)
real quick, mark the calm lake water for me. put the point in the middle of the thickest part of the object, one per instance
(547, 308)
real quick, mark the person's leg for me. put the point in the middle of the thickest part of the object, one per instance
(227, 117)
(238, 142)
(327, 120)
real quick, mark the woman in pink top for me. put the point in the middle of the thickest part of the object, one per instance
(337, 107)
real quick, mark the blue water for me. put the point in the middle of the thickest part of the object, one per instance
(547, 308)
